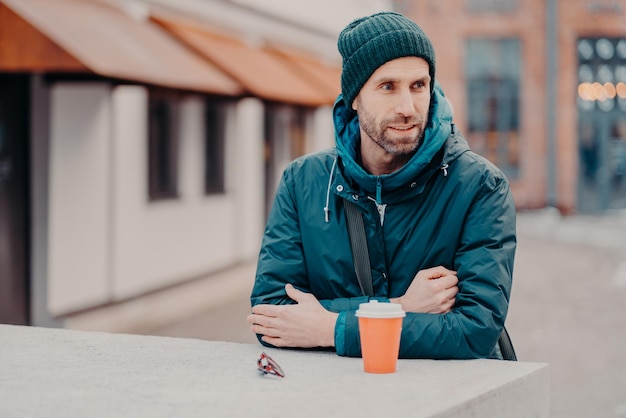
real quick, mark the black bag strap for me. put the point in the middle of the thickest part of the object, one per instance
(360, 252)
(361, 259)
(506, 346)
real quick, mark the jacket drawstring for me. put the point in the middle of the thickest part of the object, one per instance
(444, 168)
(330, 180)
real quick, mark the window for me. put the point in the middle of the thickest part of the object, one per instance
(162, 145)
(216, 115)
(492, 70)
(602, 74)
(285, 131)
(602, 123)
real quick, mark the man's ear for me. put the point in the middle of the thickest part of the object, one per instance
(353, 106)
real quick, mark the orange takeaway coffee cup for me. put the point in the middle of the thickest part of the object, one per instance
(380, 327)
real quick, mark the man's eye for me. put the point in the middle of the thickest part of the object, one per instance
(387, 86)
(419, 84)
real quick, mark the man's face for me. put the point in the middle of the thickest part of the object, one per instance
(393, 105)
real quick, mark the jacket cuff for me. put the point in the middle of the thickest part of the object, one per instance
(347, 338)
(340, 334)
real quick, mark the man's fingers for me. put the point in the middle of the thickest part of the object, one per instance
(265, 325)
(258, 319)
(449, 281)
(264, 330)
(443, 283)
(433, 272)
(437, 272)
(266, 309)
(275, 341)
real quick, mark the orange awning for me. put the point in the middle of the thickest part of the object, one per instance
(94, 37)
(326, 76)
(262, 73)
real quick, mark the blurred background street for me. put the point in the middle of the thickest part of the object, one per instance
(568, 308)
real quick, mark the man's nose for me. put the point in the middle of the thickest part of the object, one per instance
(405, 105)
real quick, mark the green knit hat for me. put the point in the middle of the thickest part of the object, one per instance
(369, 42)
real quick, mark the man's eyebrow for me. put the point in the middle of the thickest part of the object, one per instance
(387, 79)
(424, 78)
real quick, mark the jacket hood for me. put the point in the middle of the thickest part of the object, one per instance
(347, 137)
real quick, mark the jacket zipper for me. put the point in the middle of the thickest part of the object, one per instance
(379, 189)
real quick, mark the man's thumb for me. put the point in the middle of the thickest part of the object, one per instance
(293, 293)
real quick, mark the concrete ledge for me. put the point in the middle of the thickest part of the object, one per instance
(68, 373)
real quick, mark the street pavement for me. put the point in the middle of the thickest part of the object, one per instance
(568, 309)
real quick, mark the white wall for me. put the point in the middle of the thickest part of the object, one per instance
(79, 233)
(39, 186)
(245, 164)
(320, 130)
(164, 242)
(107, 241)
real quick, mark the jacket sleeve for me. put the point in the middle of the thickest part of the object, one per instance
(484, 264)
(281, 258)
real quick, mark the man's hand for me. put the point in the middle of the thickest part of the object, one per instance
(432, 290)
(306, 324)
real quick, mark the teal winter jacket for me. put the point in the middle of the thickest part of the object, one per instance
(446, 206)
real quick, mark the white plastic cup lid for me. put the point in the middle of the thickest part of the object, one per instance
(375, 309)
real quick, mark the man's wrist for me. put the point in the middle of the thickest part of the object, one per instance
(329, 340)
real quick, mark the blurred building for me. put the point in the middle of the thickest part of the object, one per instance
(539, 87)
(141, 141)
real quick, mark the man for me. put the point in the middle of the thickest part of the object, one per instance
(439, 219)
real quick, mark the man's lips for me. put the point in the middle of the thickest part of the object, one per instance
(402, 128)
